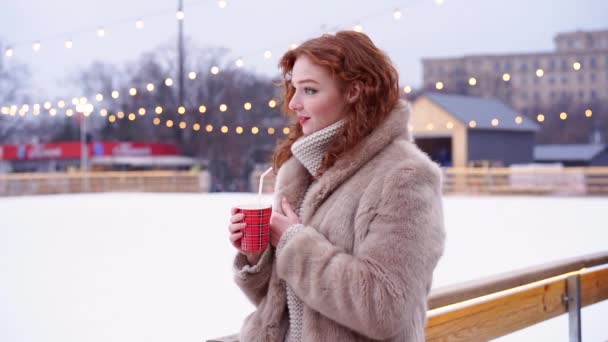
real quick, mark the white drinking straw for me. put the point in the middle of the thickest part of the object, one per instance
(261, 184)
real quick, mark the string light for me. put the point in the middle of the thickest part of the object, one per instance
(272, 103)
(223, 108)
(407, 89)
(270, 131)
(495, 122)
(472, 124)
(132, 91)
(439, 85)
(131, 117)
(47, 105)
(449, 125)
(576, 66)
(99, 97)
(239, 63)
(120, 115)
(247, 106)
(69, 112)
(150, 87)
(179, 15)
(181, 110)
(254, 130)
(156, 121)
(182, 125)
(588, 113)
(36, 46)
(222, 4)
(224, 129)
(563, 115)
(142, 111)
(358, 28)
(53, 112)
(472, 81)
(397, 14)
(506, 77)
(518, 120)
(267, 54)
(139, 24)
(168, 82)
(430, 127)
(215, 70)
(293, 46)
(209, 128)
(202, 109)
(111, 118)
(103, 112)
(169, 123)
(69, 44)
(439, 2)
(286, 130)
(60, 104)
(158, 110)
(540, 72)
(540, 117)
(239, 130)
(115, 94)
(9, 52)
(101, 32)
(192, 75)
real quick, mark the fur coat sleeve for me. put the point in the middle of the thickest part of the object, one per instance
(253, 280)
(383, 285)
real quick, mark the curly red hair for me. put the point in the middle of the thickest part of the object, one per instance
(352, 58)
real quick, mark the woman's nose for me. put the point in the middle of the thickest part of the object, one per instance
(295, 104)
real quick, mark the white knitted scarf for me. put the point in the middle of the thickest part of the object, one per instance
(310, 149)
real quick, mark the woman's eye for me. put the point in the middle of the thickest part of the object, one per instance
(310, 91)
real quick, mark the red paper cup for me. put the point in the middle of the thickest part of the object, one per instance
(256, 234)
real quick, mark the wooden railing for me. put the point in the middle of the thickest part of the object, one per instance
(589, 181)
(527, 180)
(488, 308)
(132, 181)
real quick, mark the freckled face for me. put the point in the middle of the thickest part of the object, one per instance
(317, 99)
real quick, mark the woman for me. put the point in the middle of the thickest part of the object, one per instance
(358, 225)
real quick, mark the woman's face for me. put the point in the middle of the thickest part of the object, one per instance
(317, 100)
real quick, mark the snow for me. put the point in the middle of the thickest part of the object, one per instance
(157, 267)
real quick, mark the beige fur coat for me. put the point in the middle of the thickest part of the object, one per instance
(363, 263)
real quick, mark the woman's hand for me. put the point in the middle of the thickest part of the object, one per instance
(279, 222)
(235, 228)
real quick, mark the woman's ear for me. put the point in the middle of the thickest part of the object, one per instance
(353, 92)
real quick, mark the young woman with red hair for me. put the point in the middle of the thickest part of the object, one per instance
(358, 224)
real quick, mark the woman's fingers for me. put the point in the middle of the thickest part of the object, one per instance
(236, 227)
(237, 218)
(236, 236)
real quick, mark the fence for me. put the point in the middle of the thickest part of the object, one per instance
(552, 181)
(488, 308)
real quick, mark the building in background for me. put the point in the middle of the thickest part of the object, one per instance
(107, 155)
(456, 130)
(577, 71)
(572, 154)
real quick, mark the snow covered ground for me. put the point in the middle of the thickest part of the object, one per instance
(157, 267)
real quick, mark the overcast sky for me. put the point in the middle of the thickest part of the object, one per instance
(249, 27)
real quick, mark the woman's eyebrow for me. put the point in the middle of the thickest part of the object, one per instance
(308, 80)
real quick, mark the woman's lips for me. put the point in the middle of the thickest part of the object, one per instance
(303, 120)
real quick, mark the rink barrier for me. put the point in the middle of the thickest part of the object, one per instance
(17, 184)
(537, 181)
(491, 307)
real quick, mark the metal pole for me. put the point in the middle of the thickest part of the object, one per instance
(573, 303)
(83, 143)
(180, 50)
(180, 76)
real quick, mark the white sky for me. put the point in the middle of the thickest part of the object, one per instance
(157, 267)
(250, 27)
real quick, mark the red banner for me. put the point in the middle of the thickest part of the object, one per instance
(71, 150)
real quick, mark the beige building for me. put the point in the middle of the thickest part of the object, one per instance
(576, 71)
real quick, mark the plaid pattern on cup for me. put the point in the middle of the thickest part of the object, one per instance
(256, 234)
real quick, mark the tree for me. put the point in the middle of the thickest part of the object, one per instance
(14, 78)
